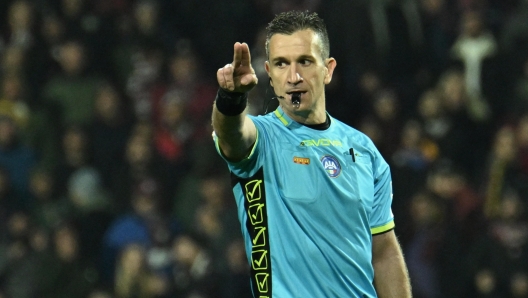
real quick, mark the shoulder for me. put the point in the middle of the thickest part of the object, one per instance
(268, 123)
(353, 134)
(265, 119)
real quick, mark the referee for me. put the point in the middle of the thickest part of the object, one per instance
(313, 194)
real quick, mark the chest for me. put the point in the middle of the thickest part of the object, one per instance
(322, 170)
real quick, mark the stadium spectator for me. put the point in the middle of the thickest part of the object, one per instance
(91, 206)
(496, 262)
(463, 126)
(142, 163)
(75, 155)
(49, 209)
(520, 94)
(463, 221)
(424, 234)
(473, 47)
(386, 110)
(146, 224)
(64, 272)
(133, 278)
(21, 22)
(109, 131)
(17, 159)
(409, 165)
(18, 261)
(34, 125)
(194, 274)
(238, 268)
(501, 170)
(70, 94)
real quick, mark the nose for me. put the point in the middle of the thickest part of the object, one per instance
(294, 77)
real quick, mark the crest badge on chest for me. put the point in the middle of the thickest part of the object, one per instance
(331, 165)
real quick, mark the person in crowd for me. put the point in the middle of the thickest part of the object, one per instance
(133, 277)
(75, 155)
(70, 94)
(141, 163)
(473, 47)
(50, 209)
(235, 280)
(92, 206)
(18, 260)
(34, 124)
(147, 224)
(215, 217)
(386, 111)
(502, 169)
(194, 273)
(173, 135)
(21, 22)
(64, 271)
(496, 264)
(463, 219)
(422, 239)
(109, 131)
(463, 126)
(16, 158)
(409, 166)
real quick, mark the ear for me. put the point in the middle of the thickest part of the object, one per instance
(331, 64)
(267, 67)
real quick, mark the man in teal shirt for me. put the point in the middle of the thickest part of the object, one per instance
(313, 194)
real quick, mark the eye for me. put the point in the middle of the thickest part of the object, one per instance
(280, 64)
(305, 62)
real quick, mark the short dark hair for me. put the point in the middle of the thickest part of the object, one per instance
(293, 21)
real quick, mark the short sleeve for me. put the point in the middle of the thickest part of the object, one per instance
(382, 219)
(248, 165)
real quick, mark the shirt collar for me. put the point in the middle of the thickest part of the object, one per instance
(286, 120)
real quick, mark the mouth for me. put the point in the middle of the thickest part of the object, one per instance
(296, 98)
(295, 94)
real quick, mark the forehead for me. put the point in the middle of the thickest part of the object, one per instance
(304, 42)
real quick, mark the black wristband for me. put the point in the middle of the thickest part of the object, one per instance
(231, 103)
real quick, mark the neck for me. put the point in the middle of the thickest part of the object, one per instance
(312, 117)
(320, 126)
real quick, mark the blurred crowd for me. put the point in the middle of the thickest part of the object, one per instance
(110, 185)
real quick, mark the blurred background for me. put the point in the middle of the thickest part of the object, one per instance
(110, 185)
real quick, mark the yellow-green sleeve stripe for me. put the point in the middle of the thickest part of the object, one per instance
(383, 228)
(217, 145)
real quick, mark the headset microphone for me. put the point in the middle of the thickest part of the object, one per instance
(296, 99)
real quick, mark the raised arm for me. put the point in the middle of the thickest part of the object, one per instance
(235, 131)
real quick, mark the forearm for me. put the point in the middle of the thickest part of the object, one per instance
(235, 135)
(391, 278)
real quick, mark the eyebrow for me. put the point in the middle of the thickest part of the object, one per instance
(302, 57)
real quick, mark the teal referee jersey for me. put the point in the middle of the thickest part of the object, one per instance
(309, 202)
